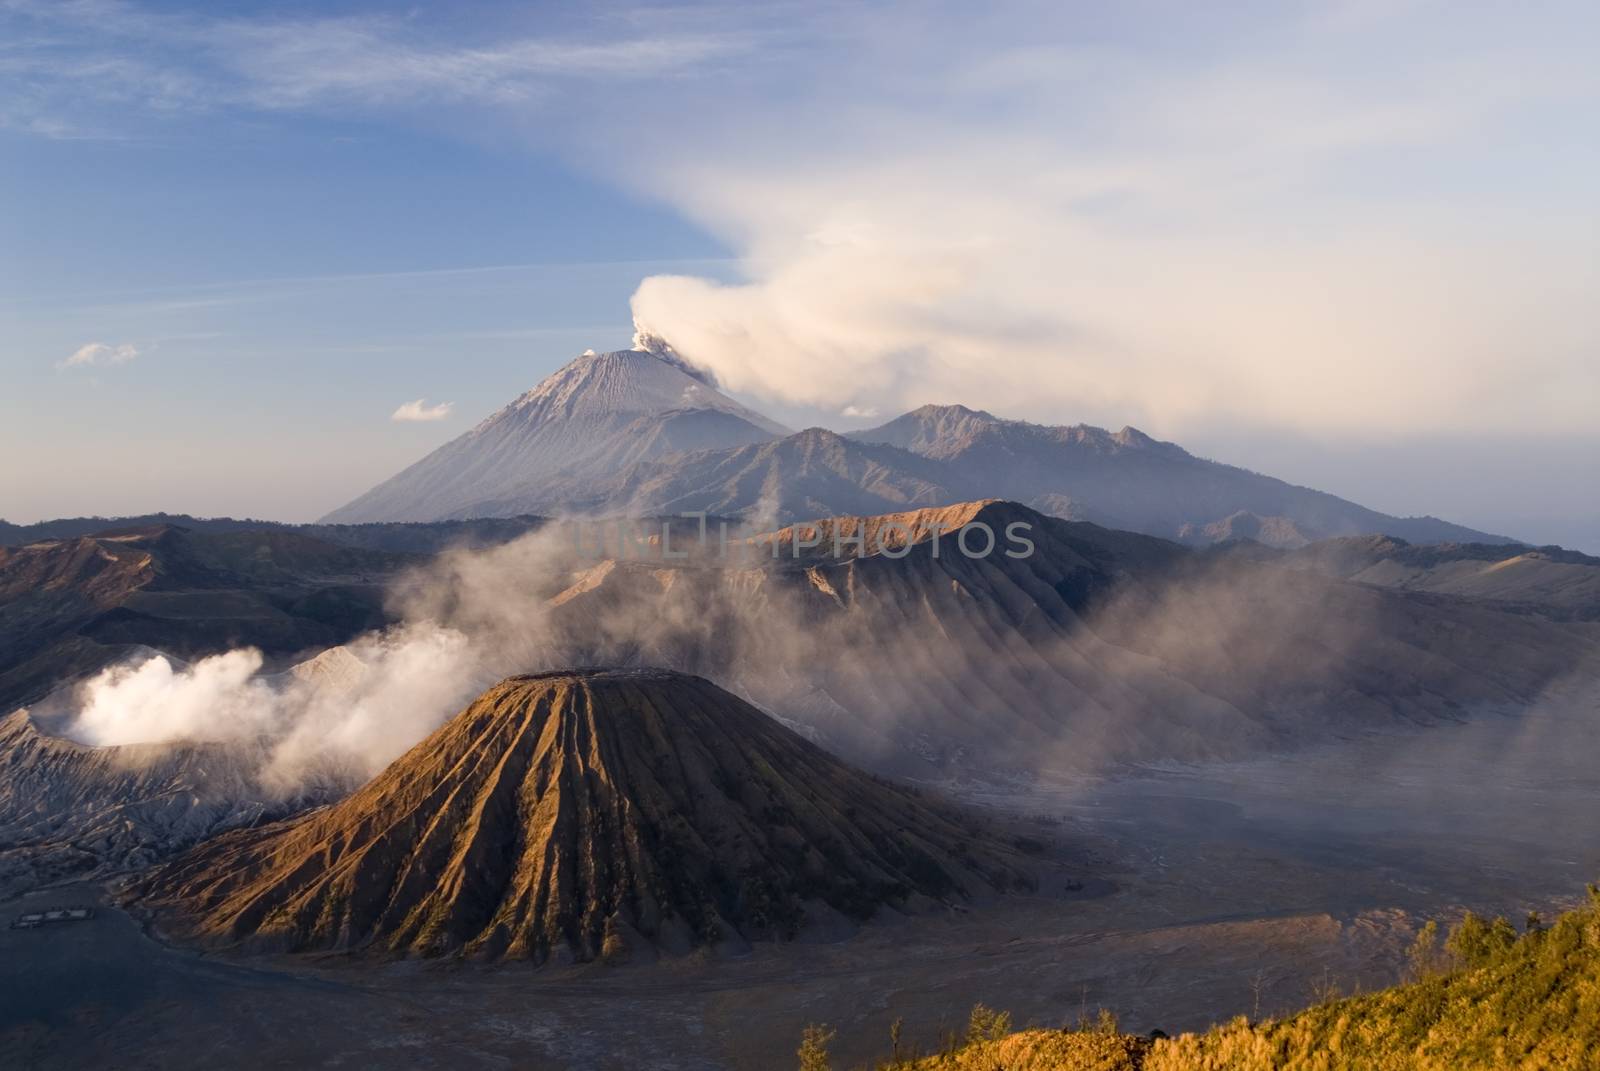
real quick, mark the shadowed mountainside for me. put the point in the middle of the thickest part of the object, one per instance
(70, 606)
(393, 536)
(589, 813)
(812, 472)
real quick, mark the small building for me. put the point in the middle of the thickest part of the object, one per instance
(34, 919)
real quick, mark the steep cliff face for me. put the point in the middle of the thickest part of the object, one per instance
(598, 813)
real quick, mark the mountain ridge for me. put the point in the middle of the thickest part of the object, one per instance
(68, 607)
(645, 431)
(1130, 480)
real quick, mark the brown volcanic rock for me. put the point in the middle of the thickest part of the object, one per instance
(69, 607)
(594, 812)
(67, 810)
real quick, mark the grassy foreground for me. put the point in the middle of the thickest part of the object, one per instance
(1489, 999)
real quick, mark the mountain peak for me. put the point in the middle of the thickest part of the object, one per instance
(646, 341)
(590, 417)
(932, 430)
(1132, 436)
(952, 410)
(624, 384)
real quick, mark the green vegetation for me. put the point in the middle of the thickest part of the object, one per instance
(1487, 999)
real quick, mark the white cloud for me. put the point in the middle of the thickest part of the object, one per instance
(99, 354)
(420, 411)
(1230, 230)
(1350, 218)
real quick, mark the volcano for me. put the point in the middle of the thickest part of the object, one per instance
(587, 814)
(594, 416)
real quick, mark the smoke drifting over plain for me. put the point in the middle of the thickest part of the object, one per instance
(339, 717)
(923, 663)
(467, 619)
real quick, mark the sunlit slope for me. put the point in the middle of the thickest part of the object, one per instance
(596, 813)
(1530, 1003)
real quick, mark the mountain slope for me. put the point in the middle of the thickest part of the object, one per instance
(67, 810)
(68, 607)
(595, 414)
(590, 813)
(1128, 480)
(811, 472)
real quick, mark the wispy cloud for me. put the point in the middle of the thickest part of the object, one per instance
(296, 64)
(1353, 217)
(99, 355)
(66, 62)
(420, 411)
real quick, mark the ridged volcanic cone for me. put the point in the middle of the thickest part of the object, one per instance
(587, 813)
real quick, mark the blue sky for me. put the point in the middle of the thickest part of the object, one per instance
(1352, 244)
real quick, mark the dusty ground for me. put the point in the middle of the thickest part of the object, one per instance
(1235, 885)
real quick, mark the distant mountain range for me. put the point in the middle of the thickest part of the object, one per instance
(1543, 580)
(643, 432)
(396, 536)
(891, 647)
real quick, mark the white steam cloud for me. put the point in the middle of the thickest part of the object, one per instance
(1233, 233)
(218, 697)
(339, 717)
(469, 618)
